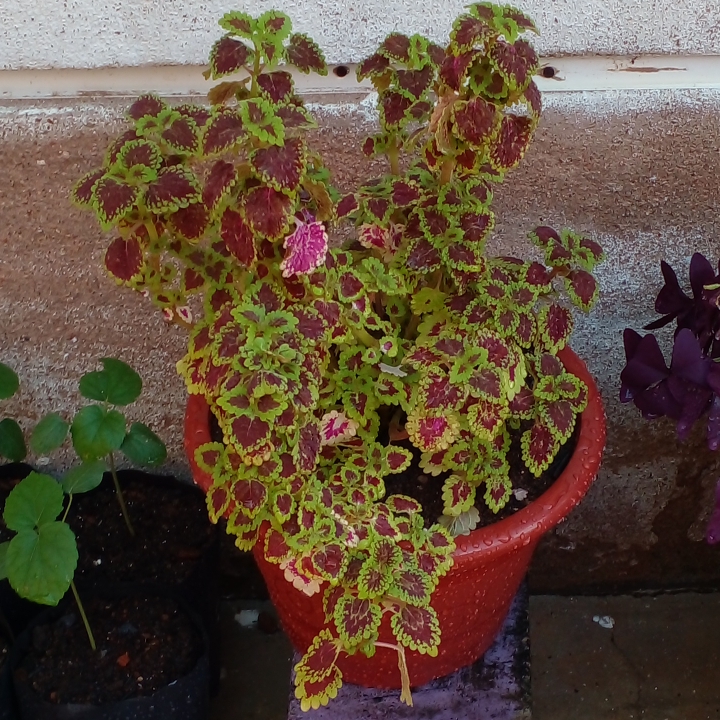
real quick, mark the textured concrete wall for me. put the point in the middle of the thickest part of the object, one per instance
(93, 33)
(637, 171)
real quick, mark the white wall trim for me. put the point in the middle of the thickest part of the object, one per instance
(571, 74)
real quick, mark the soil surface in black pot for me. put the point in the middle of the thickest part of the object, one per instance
(427, 489)
(142, 646)
(4, 652)
(172, 530)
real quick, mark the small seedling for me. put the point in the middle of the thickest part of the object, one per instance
(100, 430)
(12, 443)
(40, 561)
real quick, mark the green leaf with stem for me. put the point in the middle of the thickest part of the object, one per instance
(143, 446)
(12, 443)
(96, 432)
(120, 497)
(49, 434)
(83, 478)
(117, 383)
(9, 382)
(33, 502)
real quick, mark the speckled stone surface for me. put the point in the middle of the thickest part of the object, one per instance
(496, 687)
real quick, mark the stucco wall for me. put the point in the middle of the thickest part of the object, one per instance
(93, 33)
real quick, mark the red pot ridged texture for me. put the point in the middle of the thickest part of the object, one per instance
(473, 599)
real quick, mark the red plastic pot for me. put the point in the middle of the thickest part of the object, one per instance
(473, 599)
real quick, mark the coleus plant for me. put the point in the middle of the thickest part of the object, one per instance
(329, 366)
(689, 389)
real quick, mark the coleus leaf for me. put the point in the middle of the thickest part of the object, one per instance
(539, 448)
(147, 105)
(82, 192)
(281, 166)
(457, 494)
(374, 65)
(219, 183)
(305, 55)
(468, 31)
(396, 459)
(454, 67)
(336, 427)
(175, 188)
(512, 142)
(317, 677)
(559, 418)
(113, 199)
(250, 495)
(224, 129)
(497, 492)
(516, 62)
(476, 120)
(306, 248)
(432, 432)
(238, 23)
(182, 136)
(487, 418)
(307, 447)
(124, 258)
(582, 288)
(191, 222)
(403, 504)
(228, 55)
(555, 325)
(238, 238)
(295, 117)
(276, 86)
(396, 46)
(417, 628)
(415, 82)
(268, 211)
(356, 619)
(394, 107)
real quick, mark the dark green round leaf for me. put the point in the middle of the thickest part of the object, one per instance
(12, 443)
(33, 502)
(49, 434)
(83, 478)
(96, 432)
(9, 382)
(117, 383)
(40, 565)
(143, 446)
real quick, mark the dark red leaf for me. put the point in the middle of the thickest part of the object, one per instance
(195, 112)
(454, 67)
(374, 65)
(82, 192)
(476, 121)
(113, 198)
(281, 165)
(416, 82)
(396, 46)
(305, 55)
(515, 135)
(347, 205)
(476, 226)
(223, 130)
(249, 432)
(219, 183)
(174, 188)
(227, 56)
(395, 106)
(191, 222)
(182, 136)
(584, 286)
(516, 62)
(124, 258)
(308, 446)
(146, 105)
(268, 211)
(276, 85)
(423, 256)
(238, 237)
(469, 31)
(404, 194)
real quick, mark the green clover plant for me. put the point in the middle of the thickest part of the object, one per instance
(100, 430)
(12, 442)
(330, 366)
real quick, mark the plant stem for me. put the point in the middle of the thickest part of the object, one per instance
(405, 695)
(118, 493)
(393, 155)
(447, 171)
(67, 509)
(83, 616)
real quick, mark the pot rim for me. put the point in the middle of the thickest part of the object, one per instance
(521, 528)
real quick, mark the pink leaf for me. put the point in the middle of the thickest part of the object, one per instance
(306, 248)
(335, 427)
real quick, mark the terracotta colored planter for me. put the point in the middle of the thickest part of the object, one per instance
(473, 599)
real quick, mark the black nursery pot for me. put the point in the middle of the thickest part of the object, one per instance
(175, 544)
(8, 710)
(182, 698)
